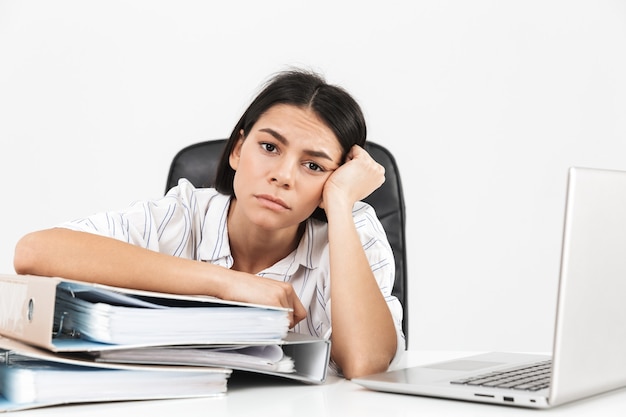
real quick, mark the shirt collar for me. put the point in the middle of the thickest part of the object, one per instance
(214, 246)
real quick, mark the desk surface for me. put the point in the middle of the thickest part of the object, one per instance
(256, 395)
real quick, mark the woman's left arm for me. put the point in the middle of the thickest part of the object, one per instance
(364, 337)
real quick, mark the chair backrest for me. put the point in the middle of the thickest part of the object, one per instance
(198, 163)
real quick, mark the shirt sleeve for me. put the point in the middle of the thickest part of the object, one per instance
(169, 225)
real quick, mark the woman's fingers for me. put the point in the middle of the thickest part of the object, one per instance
(265, 291)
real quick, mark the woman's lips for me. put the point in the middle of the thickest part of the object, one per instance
(272, 202)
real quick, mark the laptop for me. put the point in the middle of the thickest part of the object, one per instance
(589, 347)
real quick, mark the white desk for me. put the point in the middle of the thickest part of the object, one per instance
(258, 396)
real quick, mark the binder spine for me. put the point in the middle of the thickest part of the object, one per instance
(15, 305)
(27, 308)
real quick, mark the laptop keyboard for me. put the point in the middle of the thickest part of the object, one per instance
(528, 378)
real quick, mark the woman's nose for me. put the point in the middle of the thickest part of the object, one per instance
(284, 172)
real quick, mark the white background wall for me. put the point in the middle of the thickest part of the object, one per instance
(484, 103)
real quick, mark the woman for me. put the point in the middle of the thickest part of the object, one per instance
(285, 216)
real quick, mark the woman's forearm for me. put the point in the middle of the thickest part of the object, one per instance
(88, 257)
(364, 336)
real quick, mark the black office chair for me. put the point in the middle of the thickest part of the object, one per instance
(198, 163)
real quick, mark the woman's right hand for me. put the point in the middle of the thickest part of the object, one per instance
(250, 288)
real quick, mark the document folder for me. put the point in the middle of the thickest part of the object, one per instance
(34, 310)
(307, 356)
(32, 377)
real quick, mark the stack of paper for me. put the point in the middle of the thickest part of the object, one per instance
(98, 337)
(31, 381)
(297, 356)
(116, 318)
(269, 358)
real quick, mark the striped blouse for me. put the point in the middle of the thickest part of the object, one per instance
(190, 222)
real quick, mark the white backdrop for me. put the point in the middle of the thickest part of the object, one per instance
(484, 103)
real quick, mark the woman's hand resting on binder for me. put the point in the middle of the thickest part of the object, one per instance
(258, 290)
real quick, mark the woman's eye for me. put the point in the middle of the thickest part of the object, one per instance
(314, 167)
(268, 147)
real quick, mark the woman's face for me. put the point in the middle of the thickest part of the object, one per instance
(282, 166)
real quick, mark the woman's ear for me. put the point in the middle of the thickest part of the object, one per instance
(235, 153)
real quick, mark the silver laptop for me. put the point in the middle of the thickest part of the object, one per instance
(589, 349)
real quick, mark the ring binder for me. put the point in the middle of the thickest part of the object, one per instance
(33, 378)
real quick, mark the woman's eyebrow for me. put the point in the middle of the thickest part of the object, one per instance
(276, 135)
(284, 141)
